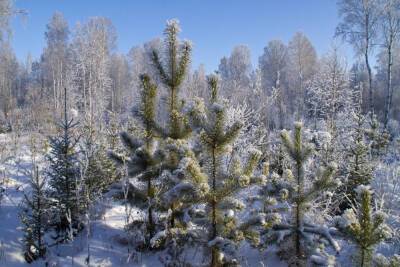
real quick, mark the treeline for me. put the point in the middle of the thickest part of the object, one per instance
(101, 80)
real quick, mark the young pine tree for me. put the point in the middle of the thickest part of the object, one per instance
(364, 226)
(221, 204)
(301, 195)
(162, 161)
(35, 208)
(183, 181)
(144, 162)
(64, 178)
(172, 67)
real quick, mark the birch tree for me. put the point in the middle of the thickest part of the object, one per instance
(302, 64)
(359, 26)
(92, 45)
(55, 59)
(390, 25)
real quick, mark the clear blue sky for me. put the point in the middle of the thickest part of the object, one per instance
(215, 27)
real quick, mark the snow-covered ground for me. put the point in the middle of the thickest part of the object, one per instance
(107, 241)
(13, 180)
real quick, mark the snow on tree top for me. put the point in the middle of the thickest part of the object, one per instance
(363, 189)
(173, 25)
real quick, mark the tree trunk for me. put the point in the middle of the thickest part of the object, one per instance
(214, 250)
(389, 83)
(362, 262)
(150, 227)
(366, 56)
(298, 215)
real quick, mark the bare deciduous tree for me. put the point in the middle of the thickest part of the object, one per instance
(302, 63)
(55, 59)
(390, 24)
(359, 27)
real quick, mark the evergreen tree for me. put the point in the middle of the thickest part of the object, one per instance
(378, 137)
(300, 196)
(267, 206)
(359, 170)
(221, 204)
(64, 178)
(172, 67)
(365, 226)
(162, 162)
(98, 169)
(112, 131)
(100, 172)
(33, 217)
(144, 162)
(382, 261)
(182, 180)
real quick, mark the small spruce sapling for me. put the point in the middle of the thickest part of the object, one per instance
(99, 174)
(378, 137)
(34, 212)
(98, 170)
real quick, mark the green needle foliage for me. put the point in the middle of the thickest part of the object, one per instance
(365, 227)
(64, 179)
(163, 160)
(382, 261)
(35, 208)
(98, 170)
(300, 195)
(172, 66)
(143, 162)
(359, 170)
(183, 181)
(99, 174)
(166, 171)
(379, 138)
(221, 205)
